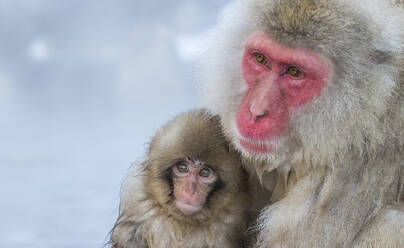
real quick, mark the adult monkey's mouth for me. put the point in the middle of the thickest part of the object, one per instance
(256, 147)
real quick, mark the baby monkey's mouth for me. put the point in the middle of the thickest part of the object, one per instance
(186, 208)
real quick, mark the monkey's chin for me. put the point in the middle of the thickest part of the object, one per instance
(186, 208)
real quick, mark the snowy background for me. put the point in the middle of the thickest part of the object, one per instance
(83, 87)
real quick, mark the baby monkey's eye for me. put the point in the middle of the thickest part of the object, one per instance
(294, 72)
(182, 168)
(260, 58)
(205, 172)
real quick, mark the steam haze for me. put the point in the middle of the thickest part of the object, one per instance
(83, 87)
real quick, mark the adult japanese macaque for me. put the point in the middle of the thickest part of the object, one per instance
(313, 90)
(189, 192)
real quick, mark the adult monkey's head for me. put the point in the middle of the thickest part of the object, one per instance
(312, 77)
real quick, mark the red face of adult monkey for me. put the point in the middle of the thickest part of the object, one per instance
(315, 88)
(279, 80)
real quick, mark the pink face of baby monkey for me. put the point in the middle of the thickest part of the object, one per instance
(192, 183)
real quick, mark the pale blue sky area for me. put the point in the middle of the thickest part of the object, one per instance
(83, 87)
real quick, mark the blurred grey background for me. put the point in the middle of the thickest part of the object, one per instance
(83, 87)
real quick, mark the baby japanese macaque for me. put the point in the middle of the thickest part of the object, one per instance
(189, 192)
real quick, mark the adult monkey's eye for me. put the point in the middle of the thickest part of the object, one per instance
(205, 172)
(182, 168)
(260, 58)
(294, 72)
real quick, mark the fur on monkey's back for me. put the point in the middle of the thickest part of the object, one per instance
(147, 216)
